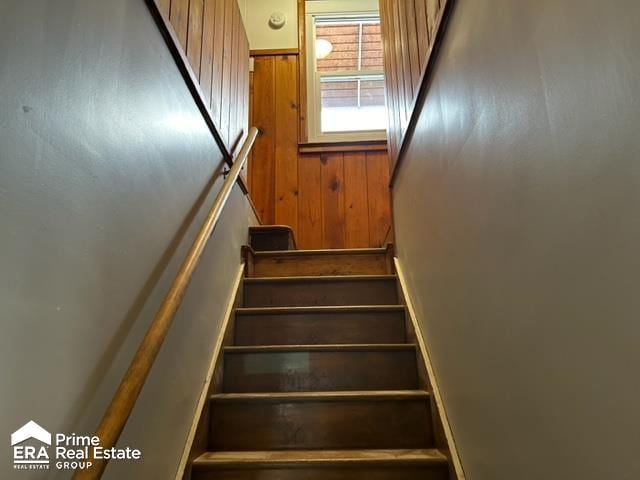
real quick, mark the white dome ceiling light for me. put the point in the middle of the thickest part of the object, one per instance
(323, 48)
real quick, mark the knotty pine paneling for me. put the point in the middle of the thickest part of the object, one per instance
(344, 200)
(309, 233)
(214, 40)
(356, 200)
(286, 140)
(408, 33)
(262, 167)
(337, 199)
(332, 197)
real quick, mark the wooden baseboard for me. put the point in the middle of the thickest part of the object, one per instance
(215, 357)
(435, 390)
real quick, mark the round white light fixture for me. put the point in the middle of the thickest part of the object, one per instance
(323, 48)
(277, 20)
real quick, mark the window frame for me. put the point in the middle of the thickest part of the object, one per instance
(314, 99)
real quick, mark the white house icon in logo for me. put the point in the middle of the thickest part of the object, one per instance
(28, 456)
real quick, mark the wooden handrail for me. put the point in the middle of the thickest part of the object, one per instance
(125, 397)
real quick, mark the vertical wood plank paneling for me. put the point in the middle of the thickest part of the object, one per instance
(388, 72)
(332, 180)
(397, 85)
(247, 85)
(243, 81)
(433, 8)
(180, 20)
(406, 62)
(212, 36)
(356, 200)
(165, 7)
(408, 33)
(243, 93)
(225, 107)
(286, 140)
(247, 75)
(250, 184)
(379, 197)
(422, 30)
(309, 234)
(412, 38)
(399, 66)
(194, 35)
(243, 85)
(263, 159)
(206, 57)
(218, 56)
(325, 198)
(234, 78)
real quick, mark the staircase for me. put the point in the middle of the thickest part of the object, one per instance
(318, 380)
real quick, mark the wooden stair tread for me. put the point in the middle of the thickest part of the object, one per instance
(319, 348)
(290, 397)
(320, 279)
(318, 309)
(319, 457)
(303, 253)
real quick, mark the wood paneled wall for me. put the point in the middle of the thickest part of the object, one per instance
(336, 199)
(213, 37)
(409, 29)
(343, 200)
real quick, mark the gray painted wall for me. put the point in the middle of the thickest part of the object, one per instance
(106, 172)
(517, 221)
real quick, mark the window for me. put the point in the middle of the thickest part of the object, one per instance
(345, 78)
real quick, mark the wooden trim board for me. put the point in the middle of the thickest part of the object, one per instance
(358, 146)
(435, 390)
(267, 52)
(215, 358)
(302, 73)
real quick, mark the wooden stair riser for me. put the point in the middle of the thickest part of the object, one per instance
(311, 292)
(305, 264)
(331, 473)
(337, 370)
(320, 328)
(345, 424)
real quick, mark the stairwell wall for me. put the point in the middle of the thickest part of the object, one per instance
(516, 219)
(107, 170)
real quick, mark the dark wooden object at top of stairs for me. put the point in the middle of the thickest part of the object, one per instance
(271, 237)
(319, 377)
